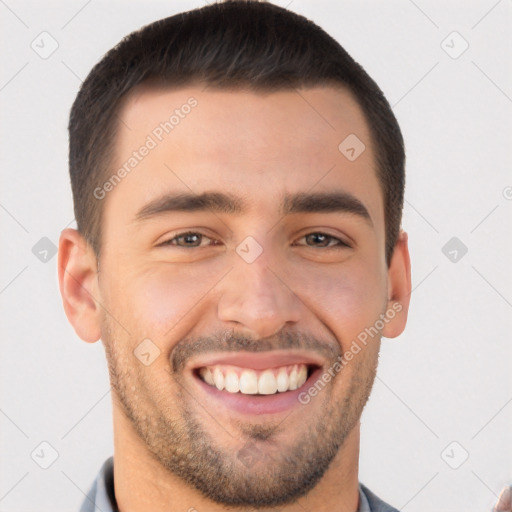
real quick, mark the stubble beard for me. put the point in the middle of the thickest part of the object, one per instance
(179, 441)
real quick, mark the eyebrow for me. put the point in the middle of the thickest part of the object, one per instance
(219, 202)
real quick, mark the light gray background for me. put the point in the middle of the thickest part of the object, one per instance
(447, 378)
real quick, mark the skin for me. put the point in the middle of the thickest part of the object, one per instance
(259, 147)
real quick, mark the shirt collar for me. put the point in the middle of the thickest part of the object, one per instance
(101, 497)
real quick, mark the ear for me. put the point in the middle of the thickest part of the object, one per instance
(78, 284)
(399, 288)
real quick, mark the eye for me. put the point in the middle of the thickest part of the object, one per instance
(323, 240)
(193, 239)
(190, 239)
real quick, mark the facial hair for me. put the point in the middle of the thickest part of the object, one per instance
(182, 444)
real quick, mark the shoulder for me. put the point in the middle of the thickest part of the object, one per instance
(101, 494)
(376, 504)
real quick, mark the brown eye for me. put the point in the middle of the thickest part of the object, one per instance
(323, 240)
(188, 239)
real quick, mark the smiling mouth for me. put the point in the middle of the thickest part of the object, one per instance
(248, 381)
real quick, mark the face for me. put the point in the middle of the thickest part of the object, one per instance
(265, 282)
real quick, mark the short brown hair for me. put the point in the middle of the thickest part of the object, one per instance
(234, 44)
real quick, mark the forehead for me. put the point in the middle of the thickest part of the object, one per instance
(260, 145)
(299, 115)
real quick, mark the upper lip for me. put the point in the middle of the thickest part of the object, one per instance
(257, 360)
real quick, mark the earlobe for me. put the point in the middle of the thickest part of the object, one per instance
(78, 284)
(399, 289)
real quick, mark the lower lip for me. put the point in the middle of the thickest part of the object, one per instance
(258, 404)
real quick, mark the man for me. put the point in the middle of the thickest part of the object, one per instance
(238, 186)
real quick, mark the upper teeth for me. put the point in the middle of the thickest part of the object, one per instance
(250, 382)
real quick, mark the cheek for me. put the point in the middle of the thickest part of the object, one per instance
(162, 298)
(348, 300)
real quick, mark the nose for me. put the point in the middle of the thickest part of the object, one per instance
(258, 299)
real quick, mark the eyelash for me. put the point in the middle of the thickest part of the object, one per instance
(340, 245)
